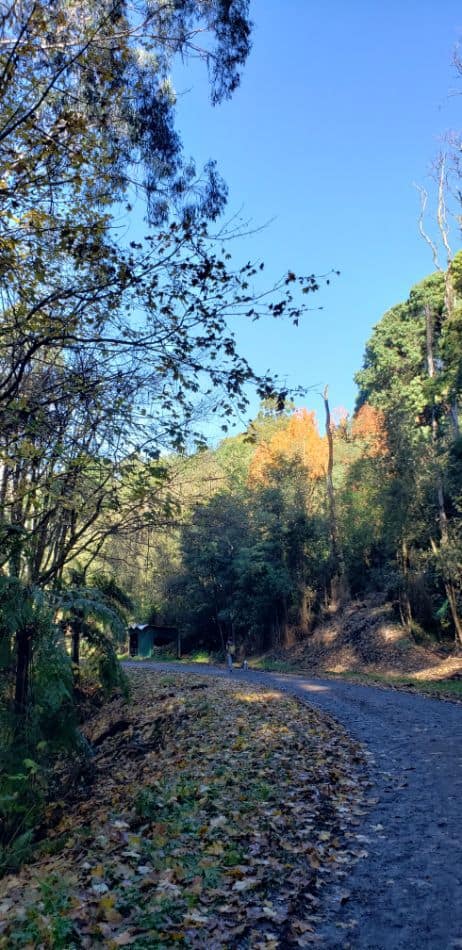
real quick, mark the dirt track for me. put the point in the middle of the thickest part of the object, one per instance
(408, 892)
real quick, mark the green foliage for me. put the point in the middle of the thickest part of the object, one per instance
(111, 675)
(94, 610)
(17, 847)
(394, 376)
(97, 616)
(250, 560)
(51, 692)
(408, 519)
(31, 740)
(369, 525)
(46, 726)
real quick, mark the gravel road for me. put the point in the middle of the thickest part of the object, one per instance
(408, 892)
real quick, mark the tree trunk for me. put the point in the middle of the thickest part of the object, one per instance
(434, 427)
(76, 646)
(452, 600)
(220, 630)
(405, 603)
(454, 413)
(339, 584)
(23, 660)
(76, 628)
(450, 594)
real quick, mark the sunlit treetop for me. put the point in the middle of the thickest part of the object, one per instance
(298, 441)
(369, 427)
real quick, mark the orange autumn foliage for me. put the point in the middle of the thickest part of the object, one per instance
(369, 427)
(298, 441)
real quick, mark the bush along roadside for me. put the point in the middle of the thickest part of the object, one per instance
(40, 712)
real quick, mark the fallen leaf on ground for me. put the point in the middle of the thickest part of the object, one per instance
(190, 834)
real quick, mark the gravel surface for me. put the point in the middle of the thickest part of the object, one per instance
(407, 893)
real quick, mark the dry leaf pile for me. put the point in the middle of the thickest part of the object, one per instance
(211, 816)
(365, 637)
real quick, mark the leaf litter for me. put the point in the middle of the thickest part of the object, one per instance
(212, 815)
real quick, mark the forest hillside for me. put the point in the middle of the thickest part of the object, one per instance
(306, 513)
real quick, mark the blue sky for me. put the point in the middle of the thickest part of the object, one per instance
(342, 107)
